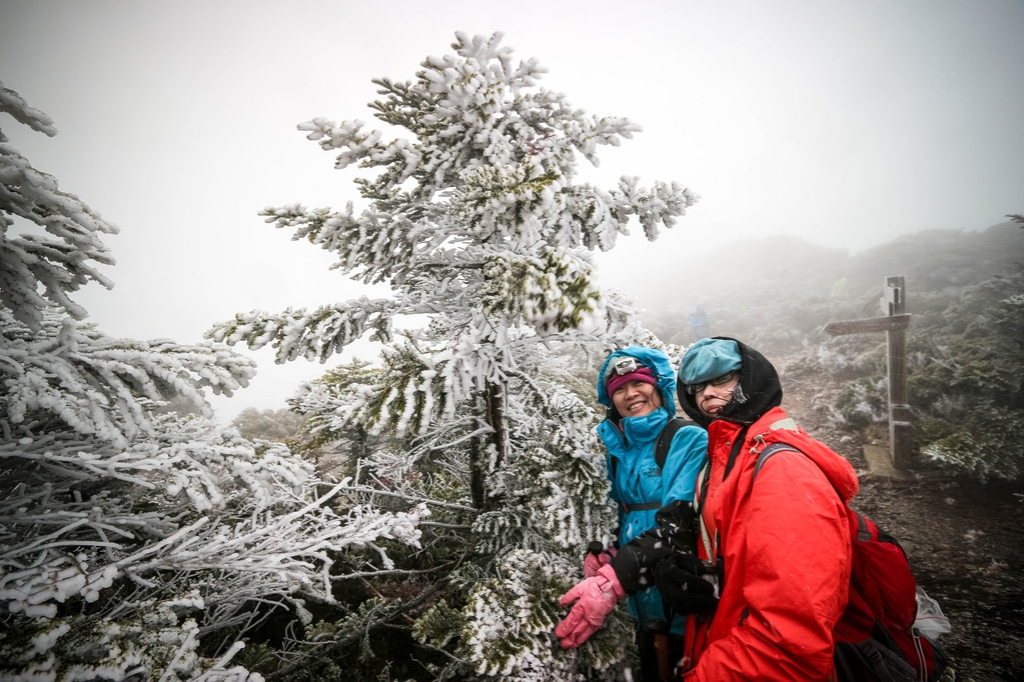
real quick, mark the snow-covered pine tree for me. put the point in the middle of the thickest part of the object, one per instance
(476, 220)
(128, 538)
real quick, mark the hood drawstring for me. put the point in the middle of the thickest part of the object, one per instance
(758, 441)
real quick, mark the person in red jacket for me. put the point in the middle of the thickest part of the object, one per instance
(778, 552)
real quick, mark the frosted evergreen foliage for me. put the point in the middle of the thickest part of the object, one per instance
(188, 473)
(43, 265)
(479, 205)
(68, 371)
(101, 649)
(983, 409)
(989, 448)
(129, 537)
(513, 614)
(472, 213)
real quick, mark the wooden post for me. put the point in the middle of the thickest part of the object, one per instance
(894, 324)
(900, 434)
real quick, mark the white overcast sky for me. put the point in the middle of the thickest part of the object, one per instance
(843, 123)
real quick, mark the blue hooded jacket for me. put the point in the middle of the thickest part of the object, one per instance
(634, 474)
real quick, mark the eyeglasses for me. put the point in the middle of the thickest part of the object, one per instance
(693, 389)
(622, 366)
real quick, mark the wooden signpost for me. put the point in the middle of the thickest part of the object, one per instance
(894, 324)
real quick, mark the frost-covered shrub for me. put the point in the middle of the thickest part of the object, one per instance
(862, 402)
(283, 425)
(968, 388)
(989, 446)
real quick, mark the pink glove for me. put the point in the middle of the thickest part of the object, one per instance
(595, 560)
(595, 597)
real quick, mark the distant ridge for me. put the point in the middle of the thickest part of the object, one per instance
(780, 289)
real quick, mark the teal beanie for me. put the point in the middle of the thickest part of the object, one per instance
(707, 359)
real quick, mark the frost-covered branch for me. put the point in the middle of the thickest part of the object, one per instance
(97, 385)
(315, 335)
(409, 498)
(329, 648)
(55, 258)
(12, 103)
(263, 518)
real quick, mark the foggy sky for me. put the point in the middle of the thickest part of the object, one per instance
(843, 123)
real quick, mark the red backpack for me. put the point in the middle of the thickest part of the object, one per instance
(875, 638)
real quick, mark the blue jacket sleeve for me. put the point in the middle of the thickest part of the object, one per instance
(686, 456)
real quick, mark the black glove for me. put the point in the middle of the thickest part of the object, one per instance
(675, 532)
(677, 522)
(634, 563)
(682, 588)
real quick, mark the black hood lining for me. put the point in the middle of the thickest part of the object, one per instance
(759, 382)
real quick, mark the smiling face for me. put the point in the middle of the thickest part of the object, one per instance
(716, 394)
(636, 399)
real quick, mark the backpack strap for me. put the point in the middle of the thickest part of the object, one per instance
(668, 432)
(768, 452)
(863, 532)
(702, 494)
(661, 448)
(664, 442)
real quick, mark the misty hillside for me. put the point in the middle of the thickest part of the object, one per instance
(779, 291)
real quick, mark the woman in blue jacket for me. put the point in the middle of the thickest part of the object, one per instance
(637, 385)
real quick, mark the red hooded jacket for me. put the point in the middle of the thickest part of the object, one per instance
(781, 547)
